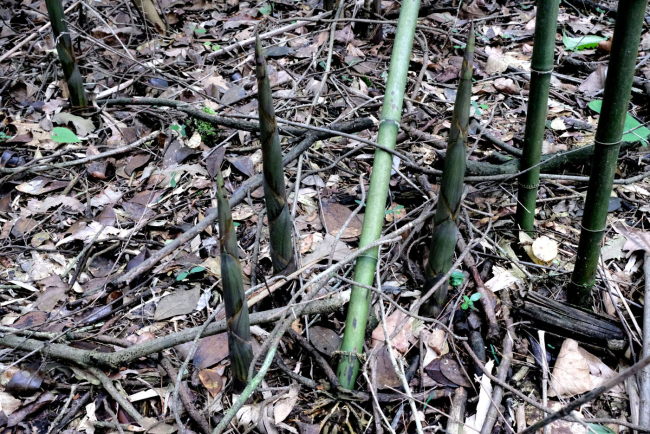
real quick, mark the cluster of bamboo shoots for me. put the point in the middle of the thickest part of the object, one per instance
(444, 237)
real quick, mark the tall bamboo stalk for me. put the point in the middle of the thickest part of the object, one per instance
(540, 80)
(618, 86)
(240, 351)
(274, 190)
(66, 53)
(445, 230)
(352, 345)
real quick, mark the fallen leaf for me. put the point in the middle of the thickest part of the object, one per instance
(135, 163)
(637, 239)
(285, 405)
(595, 82)
(324, 248)
(335, 217)
(577, 371)
(69, 203)
(9, 404)
(211, 380)
(324, 340)
(502, 279)
(211, 350)
(82, 125)
(506, 85)
(178, 303)
(401, 341)
(40, 185)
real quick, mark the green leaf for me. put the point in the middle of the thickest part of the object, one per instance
(197, 270)
(64, 135)
(466, 298)
(200, 31)
(640, 133)
(456, 278)
(173, 181)
(464, 306)
(484, 106)
(182, 276)
(582, 42)
(176, 127)
(475, 296)
(216, 47)
(599, 429)
(266, 10)
(207, 43)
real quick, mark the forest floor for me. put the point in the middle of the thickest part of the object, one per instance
(107, 273)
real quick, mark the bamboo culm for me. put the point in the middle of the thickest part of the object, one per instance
(275, 194)
(357, 316)
(445, 229)
(66, 54)
(618, 87)
(240, 350)
(540, 80)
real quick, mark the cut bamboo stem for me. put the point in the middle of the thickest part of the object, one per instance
(357, 317)
(618, 86)
(540, 80)
(66, 54)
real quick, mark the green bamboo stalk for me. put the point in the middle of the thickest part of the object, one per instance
(66, 54)
(618, 87)
(352, 345)
(274, 190)
(240, 350)
(445, 229)
(540, 81)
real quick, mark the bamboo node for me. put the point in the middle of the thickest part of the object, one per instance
(360, 357)
(549, 71)
(592, 230)
(529, 186)
(608, 144)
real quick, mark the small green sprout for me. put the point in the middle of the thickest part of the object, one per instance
(469, 301)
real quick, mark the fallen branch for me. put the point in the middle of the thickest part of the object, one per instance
(119, 358)
(80, 161)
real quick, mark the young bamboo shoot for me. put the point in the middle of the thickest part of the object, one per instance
(240, 351)
(445, 230)
(274, 189)
(66, 53)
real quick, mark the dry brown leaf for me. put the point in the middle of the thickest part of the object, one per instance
(399, 342)
(335, 217)
(211, 380)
